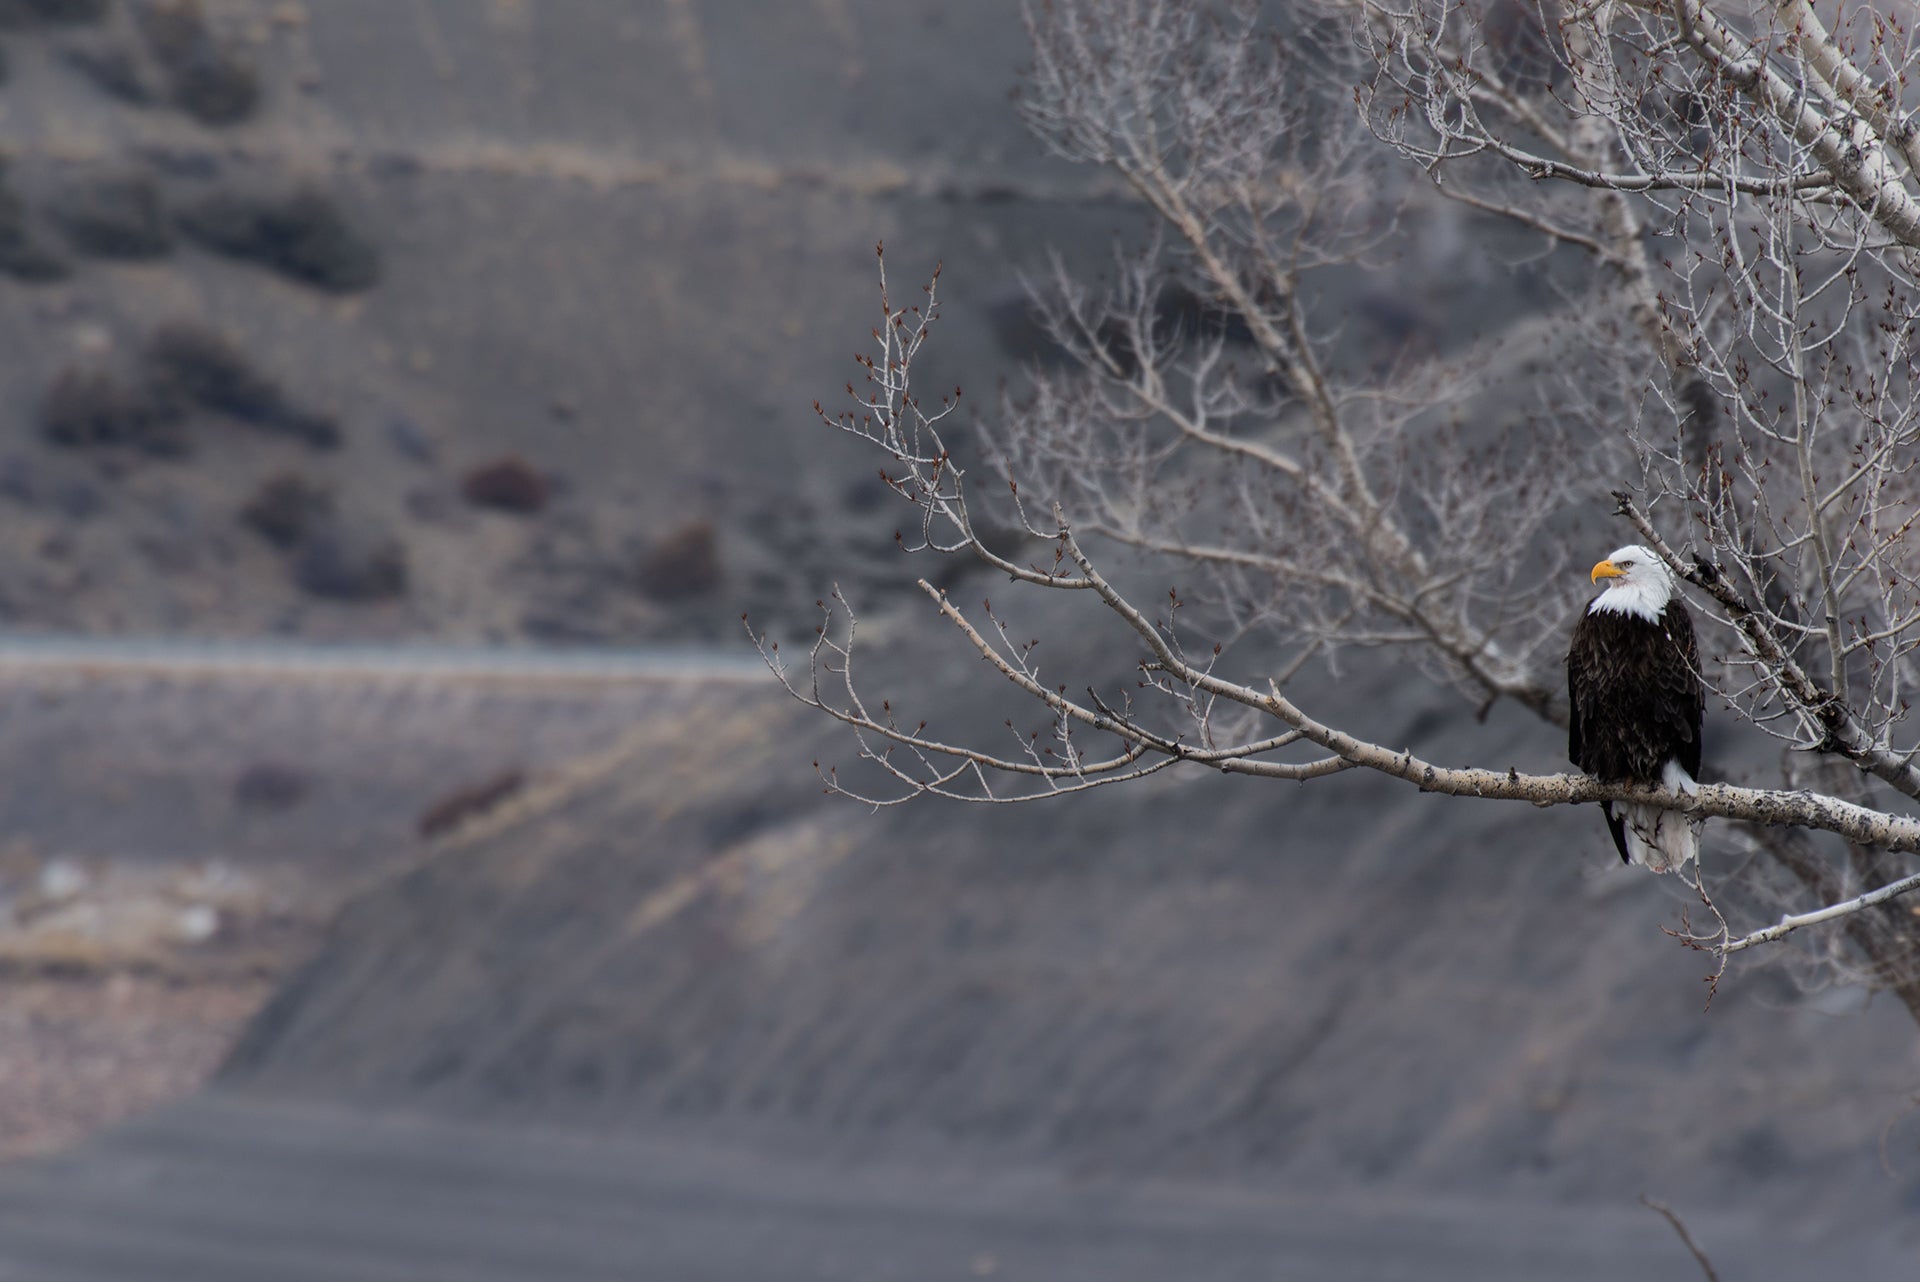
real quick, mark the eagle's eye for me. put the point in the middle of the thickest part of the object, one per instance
(1626, 565)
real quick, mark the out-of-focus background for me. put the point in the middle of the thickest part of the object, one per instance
(407, 871)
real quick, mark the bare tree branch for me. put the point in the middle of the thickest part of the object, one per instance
(1832, 912)
(1727, 203)
(1686, 1239)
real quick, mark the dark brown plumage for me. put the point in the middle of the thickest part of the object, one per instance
(1634, 684)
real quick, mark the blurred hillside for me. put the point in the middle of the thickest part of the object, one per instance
(499, 320)
(592, 245)
(661, 970)
(1350, 985)
(502, 320)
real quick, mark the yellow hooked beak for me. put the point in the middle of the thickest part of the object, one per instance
(1606, 570)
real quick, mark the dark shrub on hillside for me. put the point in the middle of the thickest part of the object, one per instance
(271, 785)
(69, 12)
(303, 236)
(348, 563)
(317, 430)
(27, 260)
(15, 14)
(13, 211)
(88, 408)
(686, 563)
(463, 804)
(220, 88)
(113, 70)
(211, 79)
(22, 256)
(194, 365)
(19, 480)
(506, 484)
(115, 217)
(201, 366)
(285, 508)
(31, 262)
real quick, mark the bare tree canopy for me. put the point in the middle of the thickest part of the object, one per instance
(1721, 203)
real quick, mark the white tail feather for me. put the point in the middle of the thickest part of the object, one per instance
(1662, 840)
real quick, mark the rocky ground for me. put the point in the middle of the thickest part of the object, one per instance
(80, 1051)
(177, 844)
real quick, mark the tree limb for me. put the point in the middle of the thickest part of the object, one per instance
(1832, 912)
(1842, 731)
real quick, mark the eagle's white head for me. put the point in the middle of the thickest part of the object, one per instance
(1638, 583)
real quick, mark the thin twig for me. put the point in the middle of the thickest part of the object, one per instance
(1686, 1238)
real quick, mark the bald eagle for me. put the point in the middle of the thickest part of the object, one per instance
(1633, 675)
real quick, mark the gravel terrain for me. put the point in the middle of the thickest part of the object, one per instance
(183, 821)
(82, 1052)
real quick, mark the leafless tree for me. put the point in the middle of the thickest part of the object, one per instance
(1727, 196)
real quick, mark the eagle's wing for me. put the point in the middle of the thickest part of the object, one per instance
(1618, 827)
(1683, 694)
(1574, 740)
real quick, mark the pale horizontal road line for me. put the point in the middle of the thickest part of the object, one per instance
(219, 659)
(558, 161)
